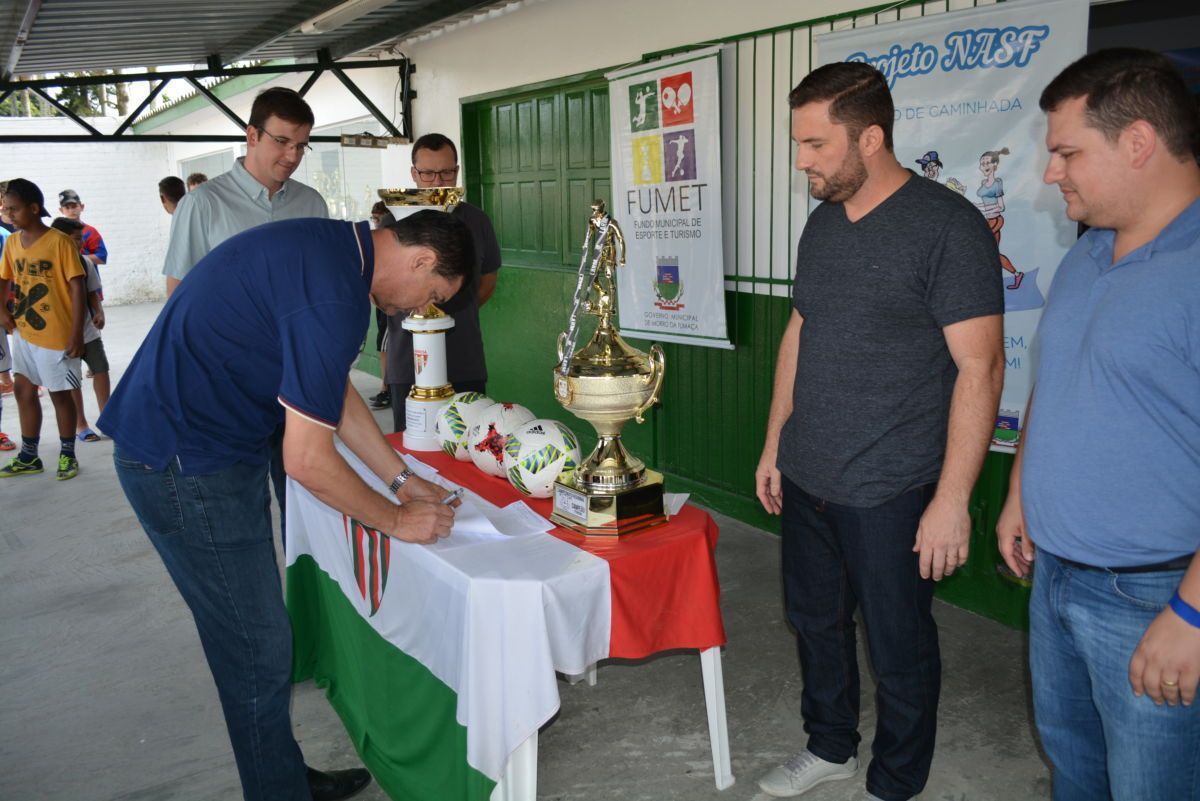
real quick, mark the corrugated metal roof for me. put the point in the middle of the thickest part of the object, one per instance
(86, 35)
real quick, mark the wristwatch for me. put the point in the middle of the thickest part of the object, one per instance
(400, 480)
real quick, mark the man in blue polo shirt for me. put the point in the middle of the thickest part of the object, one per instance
(1107, 481)
(258, 189)
(264, 332)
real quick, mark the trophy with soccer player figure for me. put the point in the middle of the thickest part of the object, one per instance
(431, 390)
(606, 382)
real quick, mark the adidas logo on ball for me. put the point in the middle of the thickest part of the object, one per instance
(536, 430)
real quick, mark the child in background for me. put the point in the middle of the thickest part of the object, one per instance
(48, 275)
(93, 347)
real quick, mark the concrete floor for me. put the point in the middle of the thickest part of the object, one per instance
(104, 693)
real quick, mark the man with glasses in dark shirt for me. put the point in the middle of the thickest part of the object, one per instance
(258, 189)
(435, 164)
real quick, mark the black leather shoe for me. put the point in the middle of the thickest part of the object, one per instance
(337, 784)
(382, 401)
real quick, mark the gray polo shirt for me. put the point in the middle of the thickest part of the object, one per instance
(229, 204)
(874, 375)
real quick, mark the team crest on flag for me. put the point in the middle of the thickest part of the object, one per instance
(370, 553)
(668, 289)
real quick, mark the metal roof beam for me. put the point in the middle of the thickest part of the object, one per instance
(216, 101)
(78, 120)
(308, 84)
(99, 137)
(379, 116)
(14, 55)
(325, 64)
(225, 72)
(132, 118)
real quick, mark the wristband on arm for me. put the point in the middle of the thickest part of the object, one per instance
(1189, 613)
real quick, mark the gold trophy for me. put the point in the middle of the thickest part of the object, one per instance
(431, 389)
(606, 382)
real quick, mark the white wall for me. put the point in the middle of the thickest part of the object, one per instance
(548, 40)
(118, 183)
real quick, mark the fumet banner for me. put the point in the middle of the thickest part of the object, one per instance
(666, 156)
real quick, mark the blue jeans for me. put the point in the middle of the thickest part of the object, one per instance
(836, 559)
(213, 533)
(1104, 742)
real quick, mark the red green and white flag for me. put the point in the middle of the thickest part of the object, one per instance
(441, 659)
(438, 669)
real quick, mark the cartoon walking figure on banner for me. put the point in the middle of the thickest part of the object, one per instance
(931, 168)
(991, 203)
(931, 165)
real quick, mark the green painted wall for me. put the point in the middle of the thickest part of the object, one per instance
(707, 433)
(535, 158)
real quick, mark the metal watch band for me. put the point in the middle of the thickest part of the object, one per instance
(400, 480)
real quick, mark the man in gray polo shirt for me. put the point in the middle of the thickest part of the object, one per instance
(258, 189)
(885, 397)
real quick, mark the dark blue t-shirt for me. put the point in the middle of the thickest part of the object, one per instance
(272, 317)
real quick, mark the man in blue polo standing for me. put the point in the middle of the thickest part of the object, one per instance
(265, 331)
(1107, 480)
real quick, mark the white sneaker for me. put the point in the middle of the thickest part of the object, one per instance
(803, 772)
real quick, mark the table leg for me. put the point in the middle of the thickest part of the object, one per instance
(519, 782)
(718, 727)
(588, 675)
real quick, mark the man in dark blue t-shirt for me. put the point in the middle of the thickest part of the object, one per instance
(265, 331)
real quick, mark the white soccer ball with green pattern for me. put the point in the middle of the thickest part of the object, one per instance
(455, 420)
(487, 436)
(539, 453)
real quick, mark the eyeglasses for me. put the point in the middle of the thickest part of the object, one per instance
(300, 148)
(445, 175)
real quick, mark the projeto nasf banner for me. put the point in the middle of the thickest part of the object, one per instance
(666, 152)
(966, 86)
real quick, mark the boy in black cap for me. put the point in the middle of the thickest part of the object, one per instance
(47, 319)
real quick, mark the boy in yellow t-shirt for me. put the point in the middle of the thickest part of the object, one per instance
(47, 319)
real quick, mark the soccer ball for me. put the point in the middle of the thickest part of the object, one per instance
(456, 418)
(486, 437)
(539, 453)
